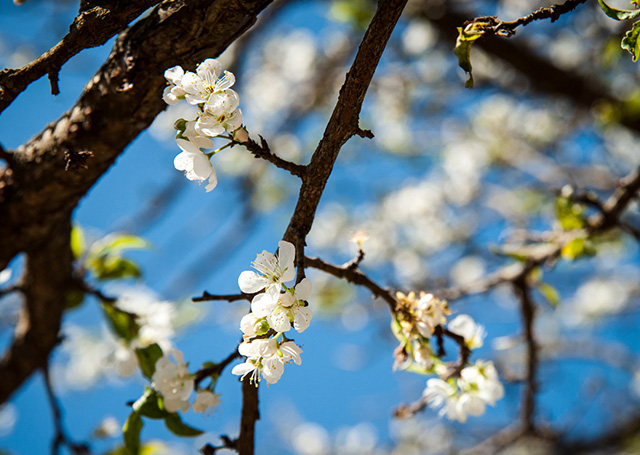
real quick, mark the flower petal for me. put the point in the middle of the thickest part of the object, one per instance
(250, 282)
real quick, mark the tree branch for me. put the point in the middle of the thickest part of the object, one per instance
(89, 29)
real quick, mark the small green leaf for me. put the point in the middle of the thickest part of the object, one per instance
(147, 358)
(175, 424)
(148, 406)
(131, 433)
(618, 14)
(114, 267)
(123, 324)
(77, 241)
(116, 243)
(74, 299)
(550, 293)
(465, 39)
(630, 41)
(570, 214)
(573, 249)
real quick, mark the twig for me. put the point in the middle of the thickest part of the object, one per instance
(89, 29)
(206, 297)
(527, 310)
(354, 276)
(61, 438)
(491, 25)
(216, 369)
(262, 151)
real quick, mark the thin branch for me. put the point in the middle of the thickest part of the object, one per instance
(250, 415)
(491, 25)
(89, 29)
(61, 438)
(206, 297)
(263, 151)
(215, 370)
(354, 276)
(527, 311)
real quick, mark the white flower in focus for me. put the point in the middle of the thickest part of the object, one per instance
(266, 358)
(215, 122)
(173, 381)
(199, 86)
(273, 271)
(195, 164)
(291, 352)
(466, 327)
(205, 402)
(289, 309)
(174, 92)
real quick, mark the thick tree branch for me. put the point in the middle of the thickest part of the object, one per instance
(89, 29)
(46, 282)
(37, 188)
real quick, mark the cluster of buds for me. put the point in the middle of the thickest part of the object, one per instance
(275, 309)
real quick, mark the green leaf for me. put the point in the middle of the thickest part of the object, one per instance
(147, 358)
(570, 214)
(550, 293)
(74, 299)
(116, 243)
(630, 41)
(148, 405)
(114, 267)
(131, 433)
(573, 249)
(465, 39)
(175, 424)
(618, 14)
(77, 241)
(123, 324)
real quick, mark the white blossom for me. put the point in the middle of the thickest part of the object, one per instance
(205, 401)
(174, 92)
(195, 164)
(266, 358)
(288, 310)
(466, 327)
(172, 380)
(273, 271)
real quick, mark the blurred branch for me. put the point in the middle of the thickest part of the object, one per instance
(46, 282)
(527, 311)
(61, 438)
(89, 29)
(215, 370)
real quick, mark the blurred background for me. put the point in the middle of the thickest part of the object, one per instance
(455, 183)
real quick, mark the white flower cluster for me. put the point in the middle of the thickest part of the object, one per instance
(273, 312)
(416, 321)
(173, 381)
(477, 386)
(217, 112)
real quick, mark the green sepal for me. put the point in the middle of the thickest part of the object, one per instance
(131, 433)
(174, 423)
(147, 358)
(123, 323)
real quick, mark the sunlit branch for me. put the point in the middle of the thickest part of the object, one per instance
(491, 25)
(89, 29)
